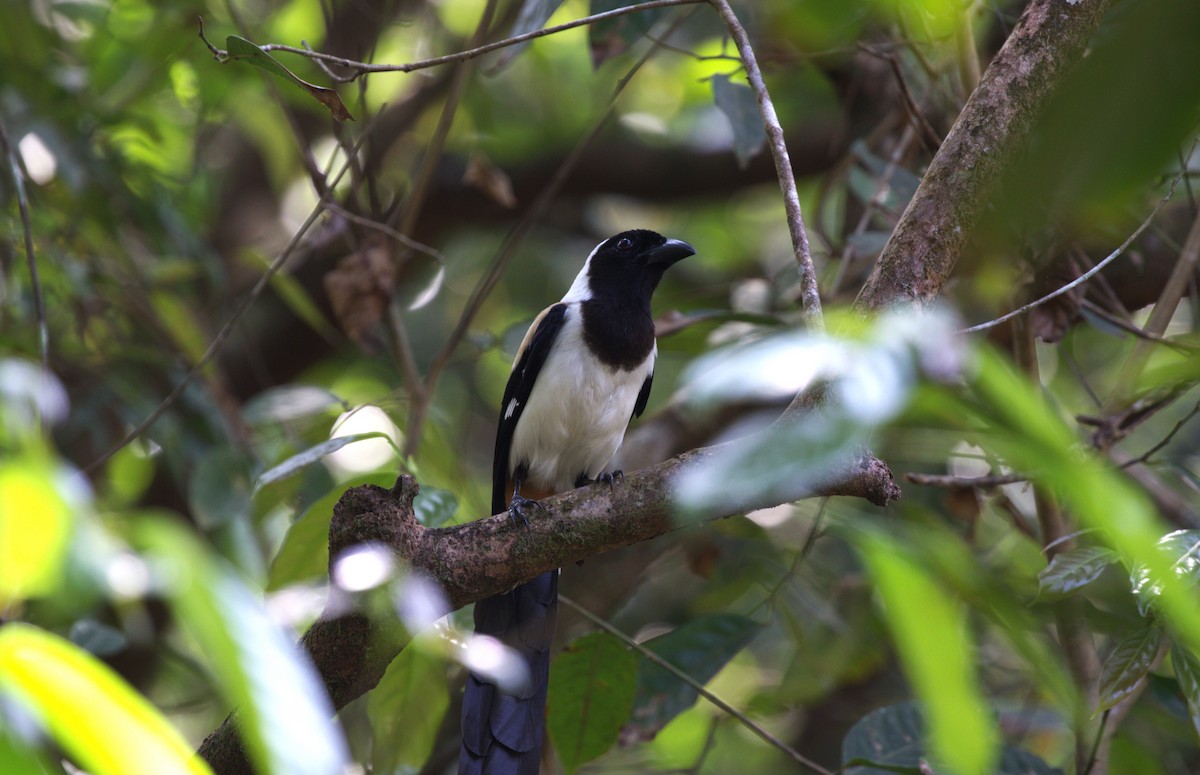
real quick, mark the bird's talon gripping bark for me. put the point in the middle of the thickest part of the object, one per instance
(520, 506)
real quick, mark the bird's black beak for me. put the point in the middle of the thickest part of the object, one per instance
(669, 252)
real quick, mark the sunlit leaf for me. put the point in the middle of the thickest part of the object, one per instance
(592, 686)
(313, 454)
(406, 709)
(304, 553)
(127, 475)
(700, 648)
(870, 379)
(1023, 429)
(1182, 547)
(283, 709)
(1128, 664)
(105, 725)
(240, 49)
(35, 525)
(737, 102)
(932, 638)
(289, 402)
(1074, 570)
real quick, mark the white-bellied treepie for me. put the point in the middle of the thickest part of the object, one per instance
(581, 374)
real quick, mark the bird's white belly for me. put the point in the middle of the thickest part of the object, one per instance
(577, 413)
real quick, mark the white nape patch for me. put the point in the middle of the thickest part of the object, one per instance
(581, 289)
(575, 418)
(512, 407)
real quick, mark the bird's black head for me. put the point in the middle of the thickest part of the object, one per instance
(631, 263)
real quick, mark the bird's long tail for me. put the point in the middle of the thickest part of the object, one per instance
(502, 732)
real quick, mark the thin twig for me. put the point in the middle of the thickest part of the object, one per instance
(363, 68)
(1160, 316)
(39, 306)
(810, 293)
(1083, 278)
(1145, 456)
(383, 228)
(219, 340)
(965, 482)
(699, 687)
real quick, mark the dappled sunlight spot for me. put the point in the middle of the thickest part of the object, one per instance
(297, 605)
(29, 395)
(363, 567)
(420, 602)
(39, 160)
(967, 460)
(772, 517)
(492, 660)
(128, 576)
(367, 454)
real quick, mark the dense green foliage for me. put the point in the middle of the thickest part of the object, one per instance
(315, 302)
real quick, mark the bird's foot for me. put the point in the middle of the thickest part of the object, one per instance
(521, 508)
(605, 477)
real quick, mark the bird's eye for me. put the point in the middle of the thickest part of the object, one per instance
(624, 243)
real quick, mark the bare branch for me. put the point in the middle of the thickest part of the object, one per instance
(810, 293)
(1089, 274)
(39, 305)
(363, 68)
(992, 127)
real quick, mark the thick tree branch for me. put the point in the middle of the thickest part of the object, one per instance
(477, 559)
(992, 127)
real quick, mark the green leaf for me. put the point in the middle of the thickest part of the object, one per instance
(304, 553)
(282, 707)
(406, 709)
(533, 16)
(610, 38)
(35, 526)
(932, 638)
(100, 720)
(219, 489)
(313, 454)
(886, 738)
(434, 508)
(1074, 570)
(1187, 672)
(891, 740)
(240, 49)
(737, 102)
(1023, 429)
(700, 649)
(592, 686)
(1182, 548)
(1127, 666)
(289, 402)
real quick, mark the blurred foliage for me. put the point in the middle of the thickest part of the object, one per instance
(149, 588)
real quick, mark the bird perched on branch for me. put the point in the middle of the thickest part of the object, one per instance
(581, 374)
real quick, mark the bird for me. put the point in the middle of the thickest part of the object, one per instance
(582, 373)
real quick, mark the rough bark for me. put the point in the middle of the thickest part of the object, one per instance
(991, 129)
(482, 558)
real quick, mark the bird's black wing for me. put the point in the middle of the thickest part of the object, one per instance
(502, 732)
(530, 358)
(643, 396)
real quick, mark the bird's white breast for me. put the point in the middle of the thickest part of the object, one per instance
(577, 412)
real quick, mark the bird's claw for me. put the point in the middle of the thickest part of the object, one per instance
(520, 506)
(608, 477)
